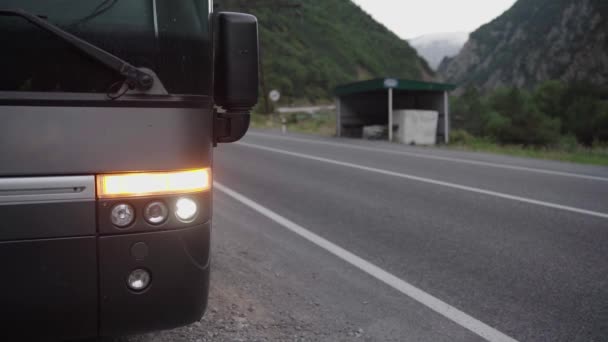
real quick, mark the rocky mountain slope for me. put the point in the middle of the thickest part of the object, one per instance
(534, 41)
(435, 47)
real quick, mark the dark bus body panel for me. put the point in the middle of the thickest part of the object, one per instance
(90, 139)
(49, 289)
(46, 220)
(179, 264)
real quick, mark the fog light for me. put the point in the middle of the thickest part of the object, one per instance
(138, 280)
(186, 209)
(156, 213)
(122, 215)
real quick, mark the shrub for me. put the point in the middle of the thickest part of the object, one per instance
(470, 109)
(518, 120)
(587, 119)
(496, 125)
(568, 143)
(549, 98)
(461, 137)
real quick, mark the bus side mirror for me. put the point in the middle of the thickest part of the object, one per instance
(236, 63)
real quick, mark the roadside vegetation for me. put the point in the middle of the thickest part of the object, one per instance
(568, 150)
(555, 121)
(320, 123)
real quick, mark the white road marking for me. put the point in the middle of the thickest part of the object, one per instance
(432, 181)
(432, 157)
(457, 316)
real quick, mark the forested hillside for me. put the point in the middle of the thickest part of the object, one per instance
(309, 47)
(536, 41)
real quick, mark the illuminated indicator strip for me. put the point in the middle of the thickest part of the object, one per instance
(153, 183)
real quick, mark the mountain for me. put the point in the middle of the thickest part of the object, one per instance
(534, 41)
(309, 47)
(435, 47)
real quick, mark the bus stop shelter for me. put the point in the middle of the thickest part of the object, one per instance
(372, 102)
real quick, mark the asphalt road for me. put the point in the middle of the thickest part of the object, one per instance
(333, 239)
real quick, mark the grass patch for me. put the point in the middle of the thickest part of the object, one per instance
(568, 151)
(321, 123)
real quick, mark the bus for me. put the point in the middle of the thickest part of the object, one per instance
(109, 115)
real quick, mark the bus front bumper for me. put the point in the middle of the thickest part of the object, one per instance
(69, 288)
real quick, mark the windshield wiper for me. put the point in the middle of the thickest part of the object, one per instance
(135, 78)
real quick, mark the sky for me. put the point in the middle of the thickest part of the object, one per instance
(414, 18)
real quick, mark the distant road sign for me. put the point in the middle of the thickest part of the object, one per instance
(391, 83)
(274, 95)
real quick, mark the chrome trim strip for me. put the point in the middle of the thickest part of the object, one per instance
(30, 190)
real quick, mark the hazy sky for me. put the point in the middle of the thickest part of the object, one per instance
(413, 18)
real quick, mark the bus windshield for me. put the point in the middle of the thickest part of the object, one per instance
(170, 37)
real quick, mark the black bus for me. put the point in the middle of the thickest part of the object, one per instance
(109, 114)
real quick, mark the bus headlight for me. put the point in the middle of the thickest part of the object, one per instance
(186, 209)
(156, 213)
(122, 215)
(138, 280)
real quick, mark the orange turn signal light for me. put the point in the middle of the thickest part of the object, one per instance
(153, 183)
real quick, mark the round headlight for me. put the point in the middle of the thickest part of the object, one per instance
(122, 215)
(139, 280)
(156, 213)
(186, 209)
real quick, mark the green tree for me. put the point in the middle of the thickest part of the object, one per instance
(496, 126)
(525, 124)
(587, 111)
(601, 122)
(471, 111)
(587, 119)
(553, 112)
(549, 98)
